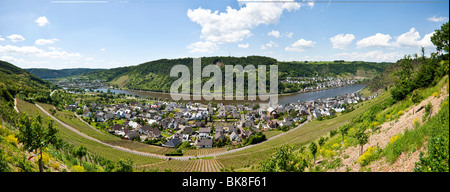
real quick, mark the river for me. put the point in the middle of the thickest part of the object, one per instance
(284, 99)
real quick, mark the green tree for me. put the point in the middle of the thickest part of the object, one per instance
(440, 38)
(124, 166)
(362, 137)
(35, 136)
(313, 149)
(285, 160)
(344, 130)
(415, 98)
(80, 152)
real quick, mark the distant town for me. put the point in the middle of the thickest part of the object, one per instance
(319, 83)
(169, 124)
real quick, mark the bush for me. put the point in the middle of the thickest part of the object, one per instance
(78, 168)
(12, 140)
(257, 138)
(371, 154)
(176, 152)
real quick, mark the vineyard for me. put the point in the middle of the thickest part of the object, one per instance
(193, 165)
(200, 152)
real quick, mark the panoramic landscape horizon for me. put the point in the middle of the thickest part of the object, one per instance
(247, 86)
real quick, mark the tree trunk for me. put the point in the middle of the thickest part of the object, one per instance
(360, 150)
(41, 169)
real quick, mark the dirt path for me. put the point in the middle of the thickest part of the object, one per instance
(15, 105)
(405, 162)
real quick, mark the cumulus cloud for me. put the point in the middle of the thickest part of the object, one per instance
(34, 51)
(274, 33)
(203, 47)
(234, 25)
(1, 39)
(270, 44)
(377, 40)
(412, 39)
(42, 21)
(300, 45)
(16, 38)
(288, 34)
(437, 19)
(341, 41)
(375, 56)
(45, 41)
(277, 34)
(243, 46)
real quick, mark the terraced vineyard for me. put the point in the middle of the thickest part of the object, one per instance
(195, 165)
(208, 151)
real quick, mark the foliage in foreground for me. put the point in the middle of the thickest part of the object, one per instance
(285, 160)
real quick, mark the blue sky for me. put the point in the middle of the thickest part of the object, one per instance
(109, 33)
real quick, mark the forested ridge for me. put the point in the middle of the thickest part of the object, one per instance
(154, 75)
(58, 73)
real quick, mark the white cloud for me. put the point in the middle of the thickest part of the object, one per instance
(437, 19)
(42, 21)
(375, 56)
(300, 45)
(426, 40)
(377, 40)
(102, 49)
(45, 41)
(412, 39)
(270, 44)
(234, 25)
(276, 34)
(288, 34)
(11, 59)
(1, 39)
(34, 51)
(341, 41)
(203, 47)
(16, 38)
(243, 46)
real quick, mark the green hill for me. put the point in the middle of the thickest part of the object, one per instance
(16, 81)
(154, 75)
(58, 73)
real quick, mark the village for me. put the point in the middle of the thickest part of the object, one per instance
(318, 83)
(169, 124)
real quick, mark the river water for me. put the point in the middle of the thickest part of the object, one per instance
(285, 99)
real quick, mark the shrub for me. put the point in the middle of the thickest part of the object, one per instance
(371, 154)
(335, 146)
(394, 138)
(436, 94)
(416, 122)
(54, 165)
(12, 140)
(78, 168)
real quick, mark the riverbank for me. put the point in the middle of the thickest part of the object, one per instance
(282, 98)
